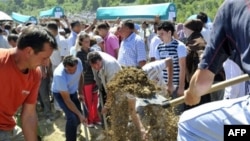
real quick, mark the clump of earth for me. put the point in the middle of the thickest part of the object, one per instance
(161, 124)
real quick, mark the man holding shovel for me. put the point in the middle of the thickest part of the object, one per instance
(20, 77)
(66, 87)
(104, 68)
(206, 122)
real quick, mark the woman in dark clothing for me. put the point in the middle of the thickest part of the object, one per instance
(195, 45)
(90, 88)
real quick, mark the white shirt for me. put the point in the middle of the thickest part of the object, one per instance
(153, 45)
(154, 71)
(205, 32)
(63, 50)
(233, 70)
(4, 42)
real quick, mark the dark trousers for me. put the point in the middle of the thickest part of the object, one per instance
(72, 119)
(44, 93)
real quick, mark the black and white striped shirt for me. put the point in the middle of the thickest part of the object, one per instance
(176, 50)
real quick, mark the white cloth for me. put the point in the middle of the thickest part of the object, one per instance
(110, 67)
(154, 72)
(63, 50)
(206, 122)
(205, 32)
(233, 70)
(73, 51)
(155, 41)
(155, 100)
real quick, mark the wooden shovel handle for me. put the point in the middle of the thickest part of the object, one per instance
(215, 87)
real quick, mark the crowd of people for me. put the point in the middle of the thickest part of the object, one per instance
(64, 65)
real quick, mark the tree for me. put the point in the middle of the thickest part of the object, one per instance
(84, 4)
(40, 3)
(19, 2)
(93, 5)
(157, 1)
(128, 1)
(60, 1)
(103, 3)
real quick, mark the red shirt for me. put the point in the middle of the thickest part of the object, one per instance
(16, 88)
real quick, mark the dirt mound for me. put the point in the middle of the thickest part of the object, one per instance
(160, 123)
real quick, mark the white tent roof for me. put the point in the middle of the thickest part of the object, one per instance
(4, 17)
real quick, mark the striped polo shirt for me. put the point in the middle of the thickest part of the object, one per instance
(176, 50)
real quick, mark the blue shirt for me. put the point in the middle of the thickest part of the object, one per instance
(72, 39)
(62, 81)
(132, 51)
(230, 36)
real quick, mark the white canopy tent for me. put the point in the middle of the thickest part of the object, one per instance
(5, 17)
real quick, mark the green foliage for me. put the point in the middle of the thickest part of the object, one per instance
(60, 1)
(185, 8)
(103, 3)
(127, 1)
(18, 2)
(84, 3)
(95, 5)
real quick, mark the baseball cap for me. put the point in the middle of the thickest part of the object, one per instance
(98, 39)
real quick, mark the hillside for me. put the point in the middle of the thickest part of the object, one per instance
(32, 7)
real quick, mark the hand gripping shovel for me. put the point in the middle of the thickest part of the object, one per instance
(161, 101)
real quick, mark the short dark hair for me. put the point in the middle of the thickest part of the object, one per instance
(203, 17)
(74, 23)
(7, 27)
(103, 26)
(92, 41)
(167, 26)
(70, 60)
(130, 24)
(82, 36)
(13, 37)
(13, 31)
(36, 36)
(52, 26)
(93, 57)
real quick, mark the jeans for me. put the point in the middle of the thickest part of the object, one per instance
(72, 119)
(14, 135)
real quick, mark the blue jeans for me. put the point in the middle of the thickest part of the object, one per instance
(14, 135)
(72, 119)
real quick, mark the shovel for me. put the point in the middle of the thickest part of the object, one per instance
(161, 101)
(85, 112)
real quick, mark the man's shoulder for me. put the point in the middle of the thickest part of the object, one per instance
(5, 55)
(137, 37)
(112, 36)
(59, 70)
(37, 73)
(4, 52)
(156, 39)
(105, 56)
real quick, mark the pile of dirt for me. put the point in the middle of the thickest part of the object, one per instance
(133, 81)
(160, 123)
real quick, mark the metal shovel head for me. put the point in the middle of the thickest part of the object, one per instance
(155, 100)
